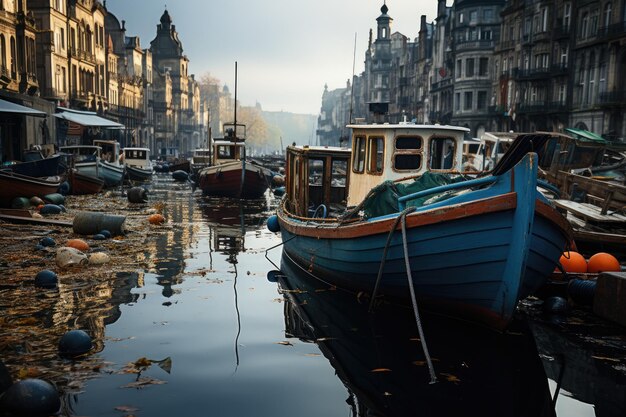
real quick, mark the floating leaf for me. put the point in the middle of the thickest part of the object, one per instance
(284, 343)
(142, 363)
(451, 378)
(143, 382)
(312, 355)
(125, 409)
(377, 370)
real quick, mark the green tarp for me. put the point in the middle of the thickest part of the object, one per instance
(383, 199)
(585, 135)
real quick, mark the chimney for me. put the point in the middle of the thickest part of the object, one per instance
(441, 8)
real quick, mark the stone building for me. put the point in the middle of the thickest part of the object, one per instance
(169, 61)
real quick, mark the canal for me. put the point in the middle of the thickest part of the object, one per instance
(205, 325)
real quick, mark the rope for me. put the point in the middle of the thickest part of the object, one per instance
(431, 369)
(382, 262)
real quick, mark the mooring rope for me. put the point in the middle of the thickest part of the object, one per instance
(431, 368)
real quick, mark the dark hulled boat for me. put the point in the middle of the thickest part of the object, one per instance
(13, 185)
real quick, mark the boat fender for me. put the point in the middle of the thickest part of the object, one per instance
(54, 198)
(272, 224)
(50, 209)
(272, 276)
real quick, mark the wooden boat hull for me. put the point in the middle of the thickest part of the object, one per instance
(14, 185)
(46, 167)
(225, 181)
(475, 259)
(111, 174)
(138, 174)
(180, 166)
(82, 184)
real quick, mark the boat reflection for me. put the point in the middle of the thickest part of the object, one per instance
(378, 356)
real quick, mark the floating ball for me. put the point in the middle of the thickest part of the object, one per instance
(573, 262)
(180, 175)
(64, 188)
(47, 242)
(51, 209)
(79, 244)
(603, 262)
(99, 237)
(279, 191)
(156, 219)
(46, 279)
(272, 276)
(40, 247)
(272, 224)
(35, 201)
(105, 233)
(99, 258)
(31, 397)
(75, 343)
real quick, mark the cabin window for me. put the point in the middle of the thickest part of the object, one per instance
(226, 152)
(316, 182)
(408, 153)
(442, 151)
(358, 154)
(338, 181)
(376, 155)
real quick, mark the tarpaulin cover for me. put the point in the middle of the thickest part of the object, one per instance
(383, 199)
(8, 107)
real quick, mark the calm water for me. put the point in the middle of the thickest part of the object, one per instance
(238, 344)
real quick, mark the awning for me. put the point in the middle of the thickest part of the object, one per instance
(87, 118)
(585, 135)
(8, 107)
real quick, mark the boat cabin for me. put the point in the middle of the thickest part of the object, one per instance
(393, 152)
(201, 157)
(82, 153)
(110, 150)
(137, 157)
(317, 175)
(232, 146)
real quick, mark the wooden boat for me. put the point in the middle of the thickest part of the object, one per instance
(180, 165)
(201, 158)
(231, 174)
(110, 166)
(138, 164)
(475, 247)
(35, 165)
(14, 185)
(91, 160)
(81, 184)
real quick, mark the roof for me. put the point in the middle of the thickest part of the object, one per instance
(8, 107)
(408, 126)
(86, 118)
(585, 135)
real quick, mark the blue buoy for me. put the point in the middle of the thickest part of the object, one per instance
(64, 188)
(279, 191)
(105, 233)
(582, 291)
(272, 276)
(46, 279)
(47, 242)
(555, 305)
(40, 247)
(31, 397)
(272, 224)
(75, 343)
(50, 209)
(99, 237)
(180, 175)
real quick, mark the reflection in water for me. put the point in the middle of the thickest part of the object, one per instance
(379, 359)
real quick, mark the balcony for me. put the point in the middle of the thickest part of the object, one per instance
(532, 73)
(441, 84)
(54, 94)
(612, 31)
(541, 107)
(474, 45)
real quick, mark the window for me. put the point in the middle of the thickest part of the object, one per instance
(608, 10)
(408, 153)
(488, 14)
(358, 154)
(467, 105)
(338, 181)
(458, 70)
(544, 19)
(567, 15)
(481, 100)
(584, 26)
(564, 54)
(442, 152)
(486, 35)
(473, 16)
(316, 172)
(562, 93)
(376, 155)
(469, 67)
(226, 152)
(457, 101)
(460, 17)
(483, 67)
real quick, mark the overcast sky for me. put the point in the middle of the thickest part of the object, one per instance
(286, 49)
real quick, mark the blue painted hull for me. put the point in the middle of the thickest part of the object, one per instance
(111, 174)
(475, 266)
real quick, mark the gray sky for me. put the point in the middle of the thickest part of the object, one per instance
(286, 49)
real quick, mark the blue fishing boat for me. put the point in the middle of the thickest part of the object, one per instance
(474, 247)
(89, 160)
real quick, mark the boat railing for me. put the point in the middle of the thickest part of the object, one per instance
(443, 188)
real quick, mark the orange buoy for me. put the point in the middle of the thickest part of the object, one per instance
(156, 219)
(573, 262)
(79, 244)
(603, 262)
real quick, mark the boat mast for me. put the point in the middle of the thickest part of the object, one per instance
(235, 101)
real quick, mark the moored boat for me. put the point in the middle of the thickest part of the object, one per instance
(81, 184)
(138, 164)
(13, 185)
(91, 160)
(475, 247)
(231, 174)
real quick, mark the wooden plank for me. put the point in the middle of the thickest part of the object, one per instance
(31, 220)
(590, 212)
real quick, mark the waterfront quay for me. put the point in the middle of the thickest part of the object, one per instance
(190, 315)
